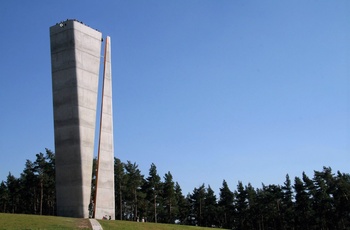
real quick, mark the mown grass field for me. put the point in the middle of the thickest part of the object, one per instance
(129, 225)
(21, 221)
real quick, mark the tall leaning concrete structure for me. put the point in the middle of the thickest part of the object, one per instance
(75, 62)
(104, 199)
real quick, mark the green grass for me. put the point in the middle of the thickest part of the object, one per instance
(130, 225)
(21, 221)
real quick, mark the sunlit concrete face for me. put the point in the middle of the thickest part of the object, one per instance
(105, 200)
(75, 61)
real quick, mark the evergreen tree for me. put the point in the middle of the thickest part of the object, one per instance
(197, 202)
(210, 215)
(152, 188)
(226, 206)
(270, 205)
(319, 203)
(323, 200)
(13, 186)
(252, 212)
(302, 205)
(29, 189)
(182, 204)
(119, 178)
(169, 198)
(134, 180)
(39, 169)
(50, 183)
(241, 206)
(45, 172)
(4, 197)
(310, 205)
(342, 200)
(287, 206)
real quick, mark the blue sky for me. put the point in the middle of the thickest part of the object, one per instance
(208, 90)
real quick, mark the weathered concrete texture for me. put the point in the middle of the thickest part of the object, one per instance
(75, 60)
(105, 201)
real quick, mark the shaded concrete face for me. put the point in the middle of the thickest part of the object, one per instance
(75, 61)
(105, 200)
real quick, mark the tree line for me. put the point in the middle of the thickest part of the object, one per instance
(320, 202)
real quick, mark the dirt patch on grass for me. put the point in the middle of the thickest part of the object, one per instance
(83, 224)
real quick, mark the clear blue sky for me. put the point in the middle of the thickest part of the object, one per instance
(208, 90)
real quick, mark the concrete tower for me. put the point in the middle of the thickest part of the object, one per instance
(75, 61)
(105, 201)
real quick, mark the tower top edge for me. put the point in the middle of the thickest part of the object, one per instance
(71, 21)
(74, 25)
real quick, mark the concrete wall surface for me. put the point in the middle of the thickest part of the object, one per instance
(75, 62)
(105, 200)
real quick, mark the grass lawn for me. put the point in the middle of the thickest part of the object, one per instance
(21, 221)
(130, 225)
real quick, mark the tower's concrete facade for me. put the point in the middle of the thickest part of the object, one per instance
(75, 60)
(105, 200)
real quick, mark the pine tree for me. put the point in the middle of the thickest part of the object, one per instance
(252, 212)
(226, 206)
(119, 178)
(310, 205)
(29, 182)
(44, 169)
(183, 206)
(13, 186)
(210, 210)
(50, 183)
(169, 198)
(323, 200)
(4, 197)
(241, 206)
(342, 199)
(269, 202)
(287, 206)
(152, 188)
(134, 180)
(197, 202)
(39, 168)
(302, 205)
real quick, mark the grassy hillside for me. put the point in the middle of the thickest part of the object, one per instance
(21, 221)
(129, 225)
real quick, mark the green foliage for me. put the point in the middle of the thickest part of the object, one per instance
(169, 199)
(34, 191)
(226, 208)
(318, 202)
(210, 209)
(133, 181)
(152, 189)
(183, 206)
(93, 179)
(198, 204)
(119, 178)
(241, 207)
